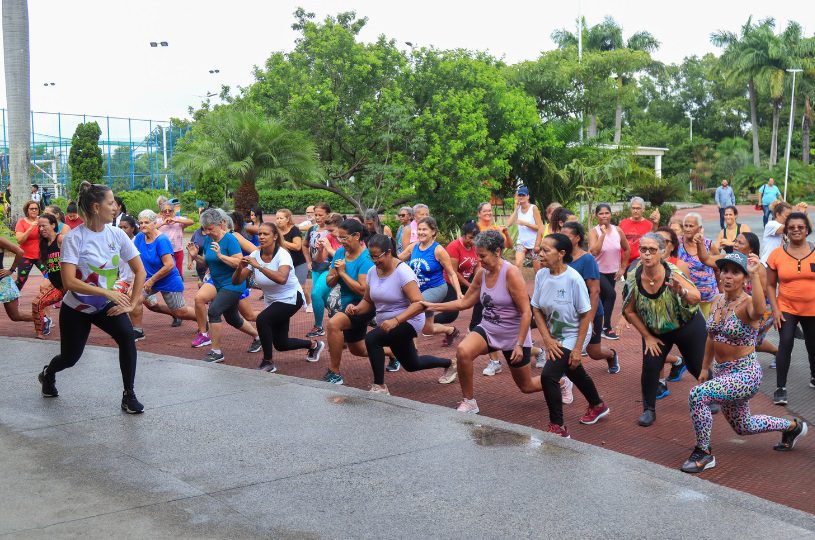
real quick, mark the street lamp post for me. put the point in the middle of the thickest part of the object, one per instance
(789, 132)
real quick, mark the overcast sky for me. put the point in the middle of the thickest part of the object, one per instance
(97, 52)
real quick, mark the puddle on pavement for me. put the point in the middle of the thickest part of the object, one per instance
(346, 400)
(491, 436)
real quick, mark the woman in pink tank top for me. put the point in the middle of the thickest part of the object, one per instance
(610, 248)
(505, 322)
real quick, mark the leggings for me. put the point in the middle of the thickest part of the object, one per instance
(74, 328)
(25, 268)
(786, 339)
(225, 303)
(550, 380)
(732, 386)
(47, 297)
(273, 328)
(608, 297)
(400, 340)
(447, 317)
(690, 340)
(319, 296)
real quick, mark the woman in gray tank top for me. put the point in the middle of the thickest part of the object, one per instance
(505, 321)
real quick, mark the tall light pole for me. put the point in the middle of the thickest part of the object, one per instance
(691, 126)
(789, 133)
(580, 51)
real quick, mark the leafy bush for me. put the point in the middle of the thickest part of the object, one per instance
(297, 200)
(659, 190)
(62, 202)
(188, 199)
(704, 196)
(136, 201)
(666, 212)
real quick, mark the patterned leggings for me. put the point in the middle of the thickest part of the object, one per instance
(47, 297)
(25, 269)
(732, 386)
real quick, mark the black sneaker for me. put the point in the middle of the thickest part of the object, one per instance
(333, 378)
(314, 354)
(176, 322)
(49, 388)
(789, 438)
(138, 335)
(812, 382)
(214, 357)
(315, 332)
(613, 363)
(698, 461)
(799, 334)
(130, 404)
(610, 334)
(393, 366)
(255, 346)
(780, 396)
(662, 390)
(267, 366)
(677, 370)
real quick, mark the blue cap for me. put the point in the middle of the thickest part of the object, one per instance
(523, 191)
(737, 258)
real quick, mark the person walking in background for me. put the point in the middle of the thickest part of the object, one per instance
(767, 194)
(724, 198)
(608, 244)
(636, 226)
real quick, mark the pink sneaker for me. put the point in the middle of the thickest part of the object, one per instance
(201, 340)
(566, 395)
(468, 406)
(380, 389)
(559, 430)
(593, 414)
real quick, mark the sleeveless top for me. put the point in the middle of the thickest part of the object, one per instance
(662, 311)
(427, 268)
(732, 331)
(609, 258)
(399, 247)
(501, 318)
(729, 249)
(52, 267)
(526, 236)
(701, 275)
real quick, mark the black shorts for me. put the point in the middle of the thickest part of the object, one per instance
(359, 326)
(596, 330)
(527, 351)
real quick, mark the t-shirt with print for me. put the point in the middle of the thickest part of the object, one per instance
(467, 259)
(320, 261)
(97, 256)
(151, 254)
(388, 296)
(354, 268)
(52, 257)
(285, 293)
(297, 257)
(796, 281)
(219, 271)
(562, 299)
(587, 267)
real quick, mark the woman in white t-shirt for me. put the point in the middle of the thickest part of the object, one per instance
(91, 254)
(282, 294)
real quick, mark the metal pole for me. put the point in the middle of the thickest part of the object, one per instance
(580, 51)
(130, 148)
(164, 147)
(59, 134)
(691, 127)
(789, 132)
(110, 178)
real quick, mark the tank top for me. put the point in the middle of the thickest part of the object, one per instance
(427, 268)
(399, 247)
(701, 275)
(609, 258)
(526, 236)
(501, 318)
(729, 249)
(52, 267)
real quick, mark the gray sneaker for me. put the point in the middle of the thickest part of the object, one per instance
(540, 358)
(314, 354)
(214, 357)
(255, 346)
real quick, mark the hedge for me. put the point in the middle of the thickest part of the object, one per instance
(297, 200)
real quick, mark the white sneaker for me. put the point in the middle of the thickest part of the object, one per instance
(493, 368)
(540, 359)
(380, 389)
(566, 395)
(309, 309)
(468, 406)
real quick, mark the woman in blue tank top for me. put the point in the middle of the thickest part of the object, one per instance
(429, 261)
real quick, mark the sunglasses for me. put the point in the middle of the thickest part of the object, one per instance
(796, 228)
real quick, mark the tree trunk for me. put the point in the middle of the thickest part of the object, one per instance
(774, 137)
(17, 59)
(246, 196)
(754, 121)
(592, 126)
(805, 131)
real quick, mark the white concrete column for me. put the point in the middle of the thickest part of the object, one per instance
(658, 165)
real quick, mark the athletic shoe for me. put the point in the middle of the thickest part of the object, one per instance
(255, 346)
(677, 370)
(647, 418)
(267, 366)
(214, 357)
(49, 388)
(698, 461)
(493, 368)
(201, 340)
(315, 331)
(379, 389)
(393, 366)
(812, 382)
(566, 394)
(662, 390)
(450, 338)
(450, 374)
(468, 406)
(47, 325)
(559, 430)
(772, 364)
(715, 408)
(799, 334)
(176, 322)
(584, 353)
(614, 363)
(540, 359)
(309, 309)
(593, 414)
(780, 396)
(130, 404)
(314, 354)
(789, 438)
(610, 334)
(138, 335)
(333, 378)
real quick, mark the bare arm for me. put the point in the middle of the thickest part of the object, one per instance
(412, 292)
(596, 241)
(295, 245)
(626, 249)
(167, 266)
(517, 290)
(470, 297)
(444, 259)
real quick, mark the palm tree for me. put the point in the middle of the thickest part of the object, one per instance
(16, 55)
(247, 147)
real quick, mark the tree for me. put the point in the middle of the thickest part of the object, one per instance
(247, 147)
(16, 55)
(85, 159)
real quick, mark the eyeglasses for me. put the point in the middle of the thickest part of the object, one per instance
(402, 215)
(649, 250)
(343, 238)
(796, 227)
(636, 208)
(377, 257)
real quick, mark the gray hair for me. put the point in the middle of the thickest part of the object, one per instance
(490, 240)
(212, 216)
(656, 238)
(373, 215)
(167, 204)
(407, 209)
(148, 214)
(639, 200)
(161, 200)
(694, 215)
(482, 205)
(420, 206)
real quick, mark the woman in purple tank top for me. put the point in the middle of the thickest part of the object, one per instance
(505, 321)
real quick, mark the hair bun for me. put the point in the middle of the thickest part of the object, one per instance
(84, 186)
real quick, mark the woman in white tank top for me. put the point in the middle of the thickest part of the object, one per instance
(530, 228)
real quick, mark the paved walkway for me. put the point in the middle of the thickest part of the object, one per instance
(223, 452)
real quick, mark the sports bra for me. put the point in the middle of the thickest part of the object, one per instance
(732, 331)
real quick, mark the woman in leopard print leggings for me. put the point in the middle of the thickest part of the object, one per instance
(733, 328)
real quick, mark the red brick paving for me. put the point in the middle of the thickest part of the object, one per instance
(745, 463)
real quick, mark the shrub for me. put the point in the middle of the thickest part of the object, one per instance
(297, 200)
(136, 201)
(188, 199)
(704, 196)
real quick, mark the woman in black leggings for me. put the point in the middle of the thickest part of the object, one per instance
(91, 254)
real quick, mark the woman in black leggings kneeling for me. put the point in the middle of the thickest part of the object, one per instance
(91, 254)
